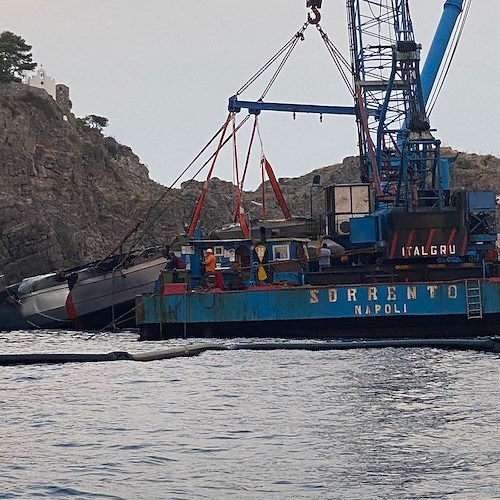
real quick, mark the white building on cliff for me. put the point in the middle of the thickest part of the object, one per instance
(43, 81)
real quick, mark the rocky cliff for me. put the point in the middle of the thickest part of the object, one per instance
(69, 193)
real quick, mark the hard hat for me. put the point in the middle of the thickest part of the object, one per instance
(209, 250)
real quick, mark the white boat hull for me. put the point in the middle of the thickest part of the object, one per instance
(95, 293)
(89, 297)
(44, 305)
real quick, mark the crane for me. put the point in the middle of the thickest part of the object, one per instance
(398, 152)
(397, 149)
(411, 211)
(416, 215)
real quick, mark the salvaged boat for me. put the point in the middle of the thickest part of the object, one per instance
(417, 258)
(103, 296)
(100, 295)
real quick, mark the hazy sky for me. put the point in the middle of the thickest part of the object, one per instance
(162, 70)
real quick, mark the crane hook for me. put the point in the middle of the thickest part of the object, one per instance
(314, 5)
(317, 16)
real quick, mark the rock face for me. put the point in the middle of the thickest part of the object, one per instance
(69, 194)
(475, 172)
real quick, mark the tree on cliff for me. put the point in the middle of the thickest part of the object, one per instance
(15, 57)
(96, 121)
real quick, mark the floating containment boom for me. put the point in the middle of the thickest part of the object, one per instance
(487, 344)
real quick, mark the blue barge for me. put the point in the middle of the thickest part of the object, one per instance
(468, 307)
(415, 259)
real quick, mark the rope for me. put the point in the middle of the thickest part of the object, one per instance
(170, 188)
(191, 180)
(116, 321)
(201, 199)
(338, 59)
(281, 65)
(155, 205)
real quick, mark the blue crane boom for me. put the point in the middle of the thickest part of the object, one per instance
(451, 10)
(255, 107)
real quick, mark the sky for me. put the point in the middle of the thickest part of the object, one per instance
(161, 71)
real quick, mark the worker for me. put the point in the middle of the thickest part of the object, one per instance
(324, 257)
(210, 263)
(174, 262)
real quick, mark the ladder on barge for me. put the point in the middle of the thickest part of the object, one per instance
(473, 299)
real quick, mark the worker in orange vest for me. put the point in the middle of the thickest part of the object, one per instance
(210, 263)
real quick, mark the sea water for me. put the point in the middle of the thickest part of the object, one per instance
(381, 423)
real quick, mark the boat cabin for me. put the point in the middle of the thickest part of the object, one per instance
(242, 263)
(233, 257)
(281, 260)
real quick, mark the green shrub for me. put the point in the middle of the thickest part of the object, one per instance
(82, 126)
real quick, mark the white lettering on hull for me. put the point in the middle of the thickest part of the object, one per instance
(432, 251)
(381, 300)
(380, 310)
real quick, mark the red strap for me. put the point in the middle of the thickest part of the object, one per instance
(201, 199)
(276, 188)
(243, 224)
(263, 175)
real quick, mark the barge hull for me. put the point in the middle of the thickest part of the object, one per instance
(366, 328)
(353, 311)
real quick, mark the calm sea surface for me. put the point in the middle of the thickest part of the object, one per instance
(388, 423)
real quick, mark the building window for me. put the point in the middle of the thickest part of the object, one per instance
(281, 252)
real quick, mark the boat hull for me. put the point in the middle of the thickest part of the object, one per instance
(102, 300)
(357, 311)
(44, 305)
